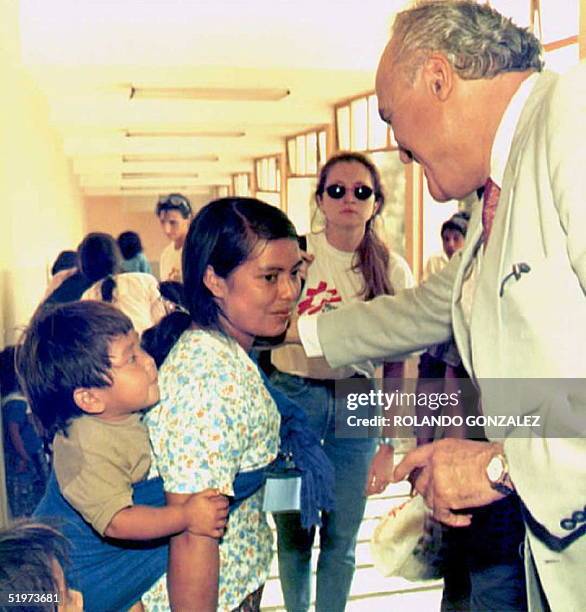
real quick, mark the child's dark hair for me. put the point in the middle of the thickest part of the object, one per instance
(66, 347)
(371, 258)
(130, 244)
(28, 551)
(457, 222)
(222, 235)
(99, 258)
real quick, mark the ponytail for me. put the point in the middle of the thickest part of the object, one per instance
(158, 341)
(107, 288)
(372, 261)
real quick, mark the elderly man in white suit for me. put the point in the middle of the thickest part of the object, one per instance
(464, 105)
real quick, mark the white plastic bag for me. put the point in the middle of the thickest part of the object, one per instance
(406, 543)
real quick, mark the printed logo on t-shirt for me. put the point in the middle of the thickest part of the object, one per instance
(319, 299)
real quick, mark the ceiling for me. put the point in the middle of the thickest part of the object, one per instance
(88, 55)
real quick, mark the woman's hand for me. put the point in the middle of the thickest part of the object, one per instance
(380, 473)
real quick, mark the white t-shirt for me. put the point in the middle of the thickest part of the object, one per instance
(170, 264)
(435, 264)
(330, 283)
(136, 295)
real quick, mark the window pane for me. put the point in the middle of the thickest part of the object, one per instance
(562, 59)
(292, 155)
(377, 128)
(258, 171)
(517, 10)
(323, 149)
(264, 173)
(392, 218)
(241, 185)
(272, 174)
(300, 203)
(343, 127)
(559, 19)
(300, 154)
(270, 197)
(311, 153)
(359, 110)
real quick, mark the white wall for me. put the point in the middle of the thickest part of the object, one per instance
(41, 208)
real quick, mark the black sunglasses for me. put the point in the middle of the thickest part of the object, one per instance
(337, 192)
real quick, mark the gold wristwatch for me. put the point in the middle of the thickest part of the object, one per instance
(497, 472)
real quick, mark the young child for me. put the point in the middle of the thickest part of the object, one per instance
(87, 379)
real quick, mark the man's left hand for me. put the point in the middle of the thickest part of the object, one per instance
(452, 476)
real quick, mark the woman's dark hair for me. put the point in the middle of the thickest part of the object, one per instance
(223, 235)
(65, 260)
(173, 291)
(371, 258)
(130, 244)
(99, 258)
(65, 347)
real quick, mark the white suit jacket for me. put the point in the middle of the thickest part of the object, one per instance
(535, 330)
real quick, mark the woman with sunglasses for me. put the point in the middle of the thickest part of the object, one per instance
(350, 262)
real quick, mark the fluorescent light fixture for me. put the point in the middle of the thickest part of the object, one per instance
(185, 134)
(169, 158)
(144, 175)
(235, 94)
(164, 190)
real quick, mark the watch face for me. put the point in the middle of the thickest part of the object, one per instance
(494, 469)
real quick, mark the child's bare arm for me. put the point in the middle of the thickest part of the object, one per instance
(193, 572)
(203, 513)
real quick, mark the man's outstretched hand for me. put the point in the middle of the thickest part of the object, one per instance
(451, 477)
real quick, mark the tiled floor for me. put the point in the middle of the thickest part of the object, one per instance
(371, 591)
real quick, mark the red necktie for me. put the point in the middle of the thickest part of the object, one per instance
(490, 200)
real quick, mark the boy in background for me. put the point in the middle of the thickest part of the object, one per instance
(175, 214)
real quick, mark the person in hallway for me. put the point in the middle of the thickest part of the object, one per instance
(441, 363)
(453, 235)
(64, 266)
(464, 91)
(67, 283)
(174, 213)
(26, 464)
(136, 294)
(217, 423)
(350, 263)
(134, 259)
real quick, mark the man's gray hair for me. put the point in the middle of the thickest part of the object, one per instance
(477, 40)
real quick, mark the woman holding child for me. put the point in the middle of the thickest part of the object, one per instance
(214, 431)
(216, 418)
